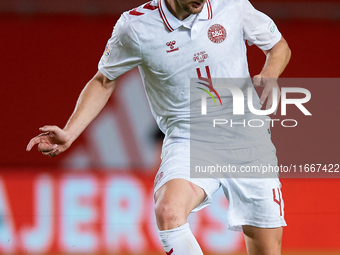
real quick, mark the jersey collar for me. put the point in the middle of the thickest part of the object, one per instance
(206, 12)
(172, 23)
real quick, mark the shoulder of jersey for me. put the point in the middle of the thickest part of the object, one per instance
(142, 10)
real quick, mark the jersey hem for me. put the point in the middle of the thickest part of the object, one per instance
(237, 226)
(106, 73)
(270, 46)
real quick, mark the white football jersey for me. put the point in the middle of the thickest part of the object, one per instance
(170, 52)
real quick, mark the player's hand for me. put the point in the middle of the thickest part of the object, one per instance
(52, 142)
(267, 94)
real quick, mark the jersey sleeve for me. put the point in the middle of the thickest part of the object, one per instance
(122, 52)
(258, 28)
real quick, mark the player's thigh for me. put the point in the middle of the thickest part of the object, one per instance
(180, 192)
(179, 196)
(264, 241)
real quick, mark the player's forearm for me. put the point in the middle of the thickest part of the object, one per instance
(277, 59)
(90, 102)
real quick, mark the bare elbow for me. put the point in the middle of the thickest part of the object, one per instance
(287, 53)
(286, 48)
(281, 48)
(104, 81)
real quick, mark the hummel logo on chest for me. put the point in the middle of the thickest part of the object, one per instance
(171, 44)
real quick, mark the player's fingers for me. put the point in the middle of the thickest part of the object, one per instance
(50, 129)
(51, 154)
(257, 80)
(273, 97)
(43, 134)
(33, 141)
(54, 153)
(278, 100)
(47, 147)
(270, 100)
(264, 95)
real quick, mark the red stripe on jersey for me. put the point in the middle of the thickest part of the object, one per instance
(135, 12)
(210, 14)
(150, 7)
(166, 22)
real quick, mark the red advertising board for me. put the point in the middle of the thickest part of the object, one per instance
(101, 212)
(95, 211)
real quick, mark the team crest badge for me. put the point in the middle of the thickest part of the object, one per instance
(217, 33)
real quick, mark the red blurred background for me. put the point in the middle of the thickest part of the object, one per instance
(50, 50)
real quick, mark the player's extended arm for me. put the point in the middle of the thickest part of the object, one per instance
(277, 59)
(91, 101)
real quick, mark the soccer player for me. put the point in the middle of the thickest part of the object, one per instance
(172, 41)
